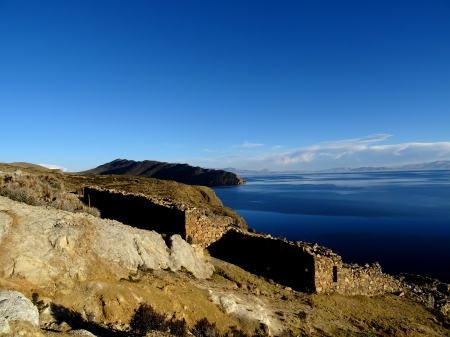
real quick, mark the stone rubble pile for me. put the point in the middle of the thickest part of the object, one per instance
(431, 292)
(353, 279)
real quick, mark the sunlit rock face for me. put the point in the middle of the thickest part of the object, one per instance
(56, 249)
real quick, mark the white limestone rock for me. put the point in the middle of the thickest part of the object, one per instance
(246, 309)
(4, 325)
(55, 249)
(15, 306)
(5, 225)
(81, 332)
(183, 255)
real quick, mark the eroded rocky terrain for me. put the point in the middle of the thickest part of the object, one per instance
(91, 274)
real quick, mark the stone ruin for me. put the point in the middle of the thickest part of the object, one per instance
(300, 265)
(198, 226)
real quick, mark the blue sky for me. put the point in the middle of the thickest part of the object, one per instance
(248, 84)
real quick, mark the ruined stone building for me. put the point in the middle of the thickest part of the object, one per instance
(299, 265)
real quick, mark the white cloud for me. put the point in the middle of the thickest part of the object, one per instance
(362, 152)
(54, 167)
(349, 152)
(250, 145)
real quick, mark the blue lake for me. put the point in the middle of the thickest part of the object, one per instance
(399, 219)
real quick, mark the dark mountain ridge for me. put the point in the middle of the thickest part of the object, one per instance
(183, 173)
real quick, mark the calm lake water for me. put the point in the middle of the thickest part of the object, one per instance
(399, 219)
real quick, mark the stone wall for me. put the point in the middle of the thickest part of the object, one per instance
(164, 216)
(302, 266)
(203, 228)
(433, 293)
(140, 211)
(276, 259)
(332, 275)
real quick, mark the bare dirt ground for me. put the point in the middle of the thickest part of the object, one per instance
(232, 297)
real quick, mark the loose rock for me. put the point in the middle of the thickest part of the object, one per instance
(15, 306)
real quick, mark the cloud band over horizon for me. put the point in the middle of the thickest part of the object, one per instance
(356, 152)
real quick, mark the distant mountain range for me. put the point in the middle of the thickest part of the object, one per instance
(183, 173)
(436, 165)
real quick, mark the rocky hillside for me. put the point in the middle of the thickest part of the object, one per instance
(192, 195)
(182, 173)
(89, 276)
(92, 274)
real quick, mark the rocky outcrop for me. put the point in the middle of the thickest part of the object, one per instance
(14, 306)
(182, 255)
(183, 173)
(432, 293)
(54, 249)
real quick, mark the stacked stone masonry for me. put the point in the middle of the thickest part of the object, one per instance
(203, 228)
(198, 226)
(302, 266)
(332, 275)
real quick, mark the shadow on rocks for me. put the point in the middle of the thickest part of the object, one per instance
(75, 320)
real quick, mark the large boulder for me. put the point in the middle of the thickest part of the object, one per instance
(54, 249)
(14, 306)
(183, 255)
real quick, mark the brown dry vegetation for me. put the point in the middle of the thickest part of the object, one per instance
(178, 294)
(41, 190)
(197, 196)
(337, 315)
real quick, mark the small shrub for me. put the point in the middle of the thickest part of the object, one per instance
(187, 272)
(235, 332)
(38, 303)
(41, 190)
(189, 239)
(203, 328)
(292, 331)
(178, 327)
(90, 316)
(146, 318)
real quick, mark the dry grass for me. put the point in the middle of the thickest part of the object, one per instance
(312, 315)
(41, 190)
(197, 196)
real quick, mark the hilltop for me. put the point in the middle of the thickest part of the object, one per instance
(30, 165)
(197, 196)
(183, 173)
